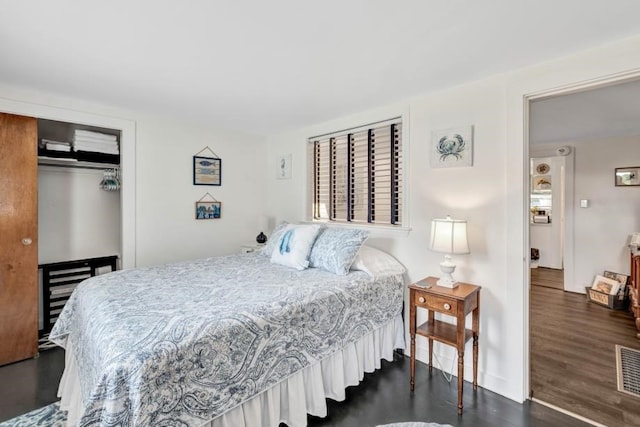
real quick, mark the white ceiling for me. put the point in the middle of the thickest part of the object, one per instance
(611, 111)
(267, 66)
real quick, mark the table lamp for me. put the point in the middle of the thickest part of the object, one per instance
(448, 236)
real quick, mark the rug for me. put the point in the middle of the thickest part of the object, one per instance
(628, 367)
(49, 416)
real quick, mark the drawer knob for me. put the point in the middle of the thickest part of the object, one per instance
(447, 306)
(421, 299)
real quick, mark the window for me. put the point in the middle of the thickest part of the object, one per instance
(356, 175)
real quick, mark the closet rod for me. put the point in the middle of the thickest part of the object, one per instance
(101, 166)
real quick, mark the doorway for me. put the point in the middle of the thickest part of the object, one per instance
(572, 364)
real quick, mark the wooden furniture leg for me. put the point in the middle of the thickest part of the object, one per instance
(413, 361)
(475, 327)
(431, 319)
(460, 379)
(412, 332)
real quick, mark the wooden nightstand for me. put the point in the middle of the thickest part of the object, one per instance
(456, 302)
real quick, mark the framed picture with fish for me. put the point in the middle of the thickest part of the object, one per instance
(207, 171)
(452, 147)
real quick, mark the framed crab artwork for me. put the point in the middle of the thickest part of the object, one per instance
(452, 147)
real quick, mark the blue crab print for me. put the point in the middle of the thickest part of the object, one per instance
(451, 145)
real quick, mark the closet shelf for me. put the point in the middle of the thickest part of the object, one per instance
(73, 163)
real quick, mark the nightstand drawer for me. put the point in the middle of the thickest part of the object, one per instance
(436, 303)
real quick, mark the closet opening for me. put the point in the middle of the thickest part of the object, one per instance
(79, 211)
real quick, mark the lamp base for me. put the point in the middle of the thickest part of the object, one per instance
(447, 267)
(447, 282)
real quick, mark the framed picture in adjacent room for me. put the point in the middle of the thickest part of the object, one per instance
(626, 177)
(605, 285)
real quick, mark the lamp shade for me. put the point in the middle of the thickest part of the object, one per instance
(449, 236)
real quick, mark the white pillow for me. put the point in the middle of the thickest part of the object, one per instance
(273, 239)
(294, 246)
(376, 263)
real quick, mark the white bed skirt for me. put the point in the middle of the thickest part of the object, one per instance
(290, 400)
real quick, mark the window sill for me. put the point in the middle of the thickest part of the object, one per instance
(373, 228)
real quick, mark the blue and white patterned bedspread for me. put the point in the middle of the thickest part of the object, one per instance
(179, 344)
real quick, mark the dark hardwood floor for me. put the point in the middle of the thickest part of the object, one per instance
(573, 354)
(547, 277)
(382, 397)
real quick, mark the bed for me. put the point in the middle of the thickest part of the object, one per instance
(227, 341)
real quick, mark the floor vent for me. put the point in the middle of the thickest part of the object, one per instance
(628, 367)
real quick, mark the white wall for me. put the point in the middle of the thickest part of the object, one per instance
(166, 228)
(490, 195)
(603, 229)
(475, 194)
(76, 219)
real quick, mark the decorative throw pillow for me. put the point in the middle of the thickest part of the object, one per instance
(336, 248)
(294, 245)
(376, 263)
(273, 239)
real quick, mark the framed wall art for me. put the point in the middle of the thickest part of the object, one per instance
(605, 285)
(452, 147)
(207, 170)
(628, 177)
(208, 209)
(283, 167)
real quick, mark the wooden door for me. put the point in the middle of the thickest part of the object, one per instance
(18, 238)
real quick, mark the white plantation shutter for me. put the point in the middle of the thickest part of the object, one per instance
(357, 176)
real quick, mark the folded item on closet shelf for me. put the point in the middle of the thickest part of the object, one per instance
(98, 149)
(51, 141)
(52, 145)
(93, 141)
(94, 135)
(57, 147)
(94, 144)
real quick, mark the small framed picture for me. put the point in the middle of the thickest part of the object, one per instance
(626, 177)
(208, 210)
(283, 167)
(541, 184)
(605, 285)
(207, 171)
(623, 279)
(452, 147)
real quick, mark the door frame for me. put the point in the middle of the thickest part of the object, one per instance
(566, 89)
(127, 160)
